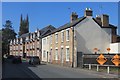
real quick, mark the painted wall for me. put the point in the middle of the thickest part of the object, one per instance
(90, 35)
(115, 47)
(45, 47)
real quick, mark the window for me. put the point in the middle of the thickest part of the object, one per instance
(37, 44)
(44, 41)
(44, 54)
(21, 47)
(16, 47)
(62, 54)
(27, 46)
(33, 53)
(67, 35)
(31, 36)
(51, 39)
(56, 38)
(33, 45)
(56, 54)
(67, 54)
(34, 35)
(38, 34)
(62, 36)
(11, 42)
(47, 40)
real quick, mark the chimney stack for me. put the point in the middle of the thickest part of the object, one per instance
(88, 12)
(73, 16)
(105, 20)
(98, 19)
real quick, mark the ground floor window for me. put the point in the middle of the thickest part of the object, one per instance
(67, 54)
(44, 54)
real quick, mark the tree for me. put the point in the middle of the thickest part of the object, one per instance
(8, 34)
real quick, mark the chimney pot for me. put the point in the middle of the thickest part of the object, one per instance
(88, 12)
(98, 19)
(73, 16)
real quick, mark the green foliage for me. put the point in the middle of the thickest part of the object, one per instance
(8, 34)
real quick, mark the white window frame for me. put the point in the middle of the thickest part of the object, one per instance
(21, 47)
(67, 54)
(47, 40)
(44, 41)
(67, 35)
(62, 36)
(38, 34)
(33, 45)
(38, 43)
(34, 35)
(51, 39)
(56, 37)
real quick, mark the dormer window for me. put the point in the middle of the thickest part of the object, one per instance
(34, 35)
(11, 42)
(38, 34)
(21, 40)
(14, 41)
(17, 40)
(26, 38)
(31, 36)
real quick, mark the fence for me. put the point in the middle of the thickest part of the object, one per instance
(90, 60)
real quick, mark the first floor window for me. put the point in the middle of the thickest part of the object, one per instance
(67, 54)
(67, 35)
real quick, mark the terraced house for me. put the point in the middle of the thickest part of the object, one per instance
(81, 35)
(29, 44)
(66, 44)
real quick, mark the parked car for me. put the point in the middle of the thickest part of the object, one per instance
(10, 57)
(34, 60)
(16, 60)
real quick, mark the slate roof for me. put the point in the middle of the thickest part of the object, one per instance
(47, 29)
(67, 25)
(110, 25)
(24, 35)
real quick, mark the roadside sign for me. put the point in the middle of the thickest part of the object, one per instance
(116, 60)
(101, 59)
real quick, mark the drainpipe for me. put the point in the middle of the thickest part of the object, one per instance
(73, 48)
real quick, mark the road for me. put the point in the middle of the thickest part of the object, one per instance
(42, 71)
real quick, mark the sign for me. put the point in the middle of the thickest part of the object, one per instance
(116, 60)
(101, 59)
(95, 50)
(108, 49)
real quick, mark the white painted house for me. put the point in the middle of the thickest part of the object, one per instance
(89, 33)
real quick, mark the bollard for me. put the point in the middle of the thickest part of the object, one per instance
(89, 66)
(97, 67)
(108, 69)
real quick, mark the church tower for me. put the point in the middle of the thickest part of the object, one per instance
(24, 25)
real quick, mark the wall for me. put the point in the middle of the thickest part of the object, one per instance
(90, 35)
(115, 47)
(45, 47)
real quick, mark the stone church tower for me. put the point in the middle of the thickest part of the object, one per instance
(24, 25)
